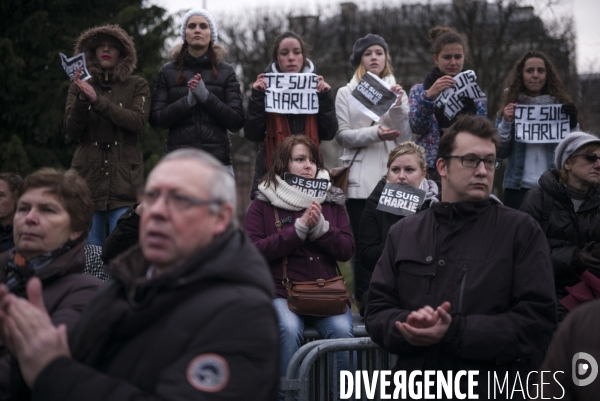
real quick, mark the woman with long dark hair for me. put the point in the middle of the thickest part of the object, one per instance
(197, 96)
(535, 81)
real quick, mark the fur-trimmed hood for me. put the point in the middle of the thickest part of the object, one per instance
(219, 49)
(89, 40)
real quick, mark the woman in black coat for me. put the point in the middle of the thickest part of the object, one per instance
(406, 165)
(197, 97)
(289, 56)
(567, 206)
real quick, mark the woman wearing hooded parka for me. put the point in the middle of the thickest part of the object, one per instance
(197, 97)
(107, 115)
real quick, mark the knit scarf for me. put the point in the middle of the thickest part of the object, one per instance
(278, 128)
(19, 270)
(289, 198)
(433, 75)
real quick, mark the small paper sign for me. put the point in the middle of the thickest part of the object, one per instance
(291, 93)
(373, 96)
(315, 187)
(73, 64)
(466, 86)
(541, 123)
(399, 199)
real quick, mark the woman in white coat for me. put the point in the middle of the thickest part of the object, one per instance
(365, 141)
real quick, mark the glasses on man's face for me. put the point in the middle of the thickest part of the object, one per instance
(473, 162)
(175, 201)
(589, 157)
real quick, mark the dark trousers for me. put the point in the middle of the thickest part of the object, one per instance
(514, 197)
(362, 277)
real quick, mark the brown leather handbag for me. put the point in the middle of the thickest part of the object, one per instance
(320, 297)
(340, 175)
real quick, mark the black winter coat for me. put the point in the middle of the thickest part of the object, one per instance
(491, 263)
(205, 125)
(255, 128)
(374, 228)
(204, 331)
(568, 231)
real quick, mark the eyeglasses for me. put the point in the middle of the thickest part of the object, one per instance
(589, 157)
(175, 201)
(473, 162)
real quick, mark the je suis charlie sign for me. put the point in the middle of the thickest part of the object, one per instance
(71, 65)
(399, 199)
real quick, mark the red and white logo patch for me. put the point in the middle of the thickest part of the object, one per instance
(208, 372)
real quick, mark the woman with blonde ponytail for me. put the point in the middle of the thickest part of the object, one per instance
(197, 96)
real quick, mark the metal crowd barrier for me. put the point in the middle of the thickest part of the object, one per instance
(314, 366)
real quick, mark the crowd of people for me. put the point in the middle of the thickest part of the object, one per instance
(116, 290)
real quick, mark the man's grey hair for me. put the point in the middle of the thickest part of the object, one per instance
(220, 183)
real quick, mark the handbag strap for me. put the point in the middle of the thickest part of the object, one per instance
(285, 281)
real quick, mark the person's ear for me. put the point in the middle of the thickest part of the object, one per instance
(74, 235)
(442, 167)
(224, 216)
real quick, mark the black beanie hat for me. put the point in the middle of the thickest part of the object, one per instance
(363, 44)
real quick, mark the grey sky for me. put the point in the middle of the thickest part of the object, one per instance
(585, 12)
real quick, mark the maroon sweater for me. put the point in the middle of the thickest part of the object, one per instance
(307, 260)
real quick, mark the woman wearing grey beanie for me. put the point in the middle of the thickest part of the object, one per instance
(567, 206)
(197, 96)
(368, 143)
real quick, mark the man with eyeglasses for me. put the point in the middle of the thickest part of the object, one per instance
(187, 316)
(467, 284)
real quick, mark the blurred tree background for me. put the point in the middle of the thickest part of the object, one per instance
(33, 84)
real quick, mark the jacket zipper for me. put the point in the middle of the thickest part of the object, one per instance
(462, 289)
(143, 102)
(430, 278)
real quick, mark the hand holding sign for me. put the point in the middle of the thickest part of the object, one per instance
(509, 112)
(86, 92)
(397, 89)
(440, 85)
(260, 84)
(322, 86)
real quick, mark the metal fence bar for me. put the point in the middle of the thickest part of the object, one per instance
(315, 351)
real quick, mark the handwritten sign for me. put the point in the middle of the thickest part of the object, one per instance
(399, 199)
(315, 187)
(541, 123)
(466, 87)
(373, 96)
(73, 64)
(291, 93)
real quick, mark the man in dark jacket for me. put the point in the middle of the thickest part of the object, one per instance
(466, 284)
(188, 315)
